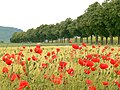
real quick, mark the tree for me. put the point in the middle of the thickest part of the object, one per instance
(108, 19)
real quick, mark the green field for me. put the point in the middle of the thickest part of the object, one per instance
(57, 43)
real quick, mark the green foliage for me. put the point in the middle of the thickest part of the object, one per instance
(98, 20)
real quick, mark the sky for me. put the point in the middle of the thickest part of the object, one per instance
(27, 14)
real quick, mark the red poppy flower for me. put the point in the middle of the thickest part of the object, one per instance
(88, 81)
(61, 75)
(87, 71)
(23, 84)
(112, 49)
(112, 61)
(95, 59)
(103, 50)
(38, 49)
(31, 50)
(81, 62)
(84, 44)
(105, 83)
(34, 58)
(45, 76)
(92, 87)
(50, 60)
(23, 47)
(44, 65)
(93, 46)
(58, 49)
(118, 85)
(20, 53)
(103, 66)
(6, 57)
(8, 62)
(70, 71)
(108, 58)
(118, 72)
(116, 65)
(57, 80)
(60, 69)
(62, 64)
(54, 57)
(5, 70)
(80, 47)
(93, 68)
(29, 59)
(75, 46)
(104, 57)
(38, 46)
(53, 52)
(13, 77)
(48, 54)
(89, 56)
(13, 56)
(106, 46)
(22, 63)
(52, 77)
(89, 63)
(96, 55)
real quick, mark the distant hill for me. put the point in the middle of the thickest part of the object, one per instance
(6, 33)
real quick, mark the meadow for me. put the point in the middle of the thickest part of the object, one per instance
(73, 67)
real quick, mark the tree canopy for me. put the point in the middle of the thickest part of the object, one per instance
(98, 20)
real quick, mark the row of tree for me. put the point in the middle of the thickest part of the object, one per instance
(101, 20)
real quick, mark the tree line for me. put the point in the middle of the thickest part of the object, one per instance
(99, 20)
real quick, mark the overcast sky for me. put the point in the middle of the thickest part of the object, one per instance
(26, 14)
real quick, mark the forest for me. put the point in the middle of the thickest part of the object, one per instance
(99, 21)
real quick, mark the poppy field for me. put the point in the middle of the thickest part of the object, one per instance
(75, 67)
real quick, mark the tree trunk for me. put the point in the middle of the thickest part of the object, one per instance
(91, 40)
(40, 40)
(101, 40)
(60, 40)
(118, 39)
(96, 37)
(87, 39)
(106, 40)
(81, 39)
(52, 41)
(111, 39)
(48, 41)
(55, 41)
(76, 39)
(64, 40)
(68, 40)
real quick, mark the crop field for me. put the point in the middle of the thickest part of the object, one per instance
(74, 67)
